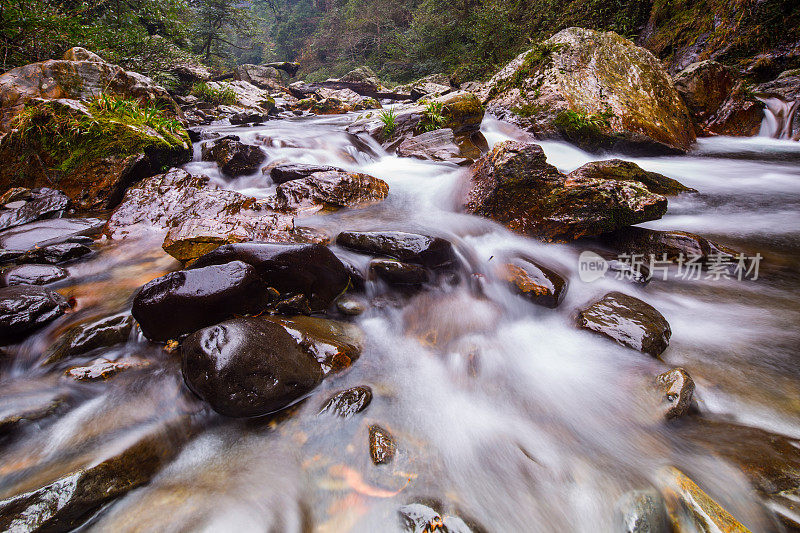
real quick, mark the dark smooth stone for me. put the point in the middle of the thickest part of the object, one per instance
(382, 447)
(31, 275)
(183, 302)
(534, 281)
(348, 402)
(48, 232)
(233, 157)
(628, 321)
(24, 308)
(432, 252)
(296, 171)
(40, 203)
(248, 367)
(398, 273)
(83, 338)
(308, 269)
(56, 253)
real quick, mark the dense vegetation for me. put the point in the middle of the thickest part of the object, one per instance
(400, 39)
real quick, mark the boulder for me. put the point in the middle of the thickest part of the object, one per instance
(362, 74)
(261, 76)
(674, 244)
(533, 281)
(705, 86)
(188, 74)
(36, 204)
(676, 389)
(96, 168)
(248, 367)
(740, 115)
(437, 145)
(31, 275)
(429, 89)
(595, 89)
(185, 301)
(44, 233)
(627, 321)
(619, 170)
(295, 171)
(246, 95)
(396, 272)
(25, 308)
(308, 269)
(347, 403)
(431, 252)
(81, 75)
(514, 185)
(55, 253)
(331, 190)
(90, 335)
(233, 157)
(382, 447)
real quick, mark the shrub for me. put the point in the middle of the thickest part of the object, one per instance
(433, 118)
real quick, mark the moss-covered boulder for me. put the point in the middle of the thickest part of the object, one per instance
(514, 185)
(619, 170)
(595, 89)
(92, 151)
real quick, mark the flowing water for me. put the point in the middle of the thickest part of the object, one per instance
(503, 412)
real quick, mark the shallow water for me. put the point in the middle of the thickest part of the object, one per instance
(510, 417)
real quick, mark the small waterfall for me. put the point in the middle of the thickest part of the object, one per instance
(779, 117)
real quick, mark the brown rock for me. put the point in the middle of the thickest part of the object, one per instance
(382, 447)
(705, 86)
(331, 190)
(617, 169)
(533, 281)
(676, 388)
(102, 370)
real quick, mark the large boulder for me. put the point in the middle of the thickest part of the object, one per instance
(81, 75)
(331, 190)
(183, 302)
(261, 76)
(245, 95)
(308, 269)
(619, 170)
(514, 185)
(89, 151)
(24, 308)
(248, 367)
(595, 89)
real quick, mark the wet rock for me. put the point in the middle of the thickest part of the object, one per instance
(233, 157)
(247, 117)
(295, 171)
(514, 185)
(676, 388)
(348, 403)
(534, 281)
(37, 204)
(331, 190)
(335, 345)
(85, 337)
(705, 86)
(49, 232)
(595, 89)
(627, 270)
(23, 401)
(248, 367)
(437, 145)
(382, 447)
(642, 511)
(294, 305)
(689, 506)
(740, 115)
(350, 306)
(399, 273)
(56, 253)
(431, 252)
(429, 318)
(309, 269)
(185, 301)
(24, 308)
(31, 275)
(674, 244)
(103, 370)
(627, 321)
(419, 518)
(617, 169)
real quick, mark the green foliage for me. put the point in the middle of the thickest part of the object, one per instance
(114, 127)
(433, 116)
(224, 96)
(590, 130)
(388, 118)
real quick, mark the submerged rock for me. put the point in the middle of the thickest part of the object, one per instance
(642, 511)
(382, 447)
(24, 308)
(331, 190)
(185, 301)
(348, 402)
(233, 157)
(514, 185)
(437, 145)
(398, 273)
(595, 89)
(309, 269)
(676, 388)
(431, 252)
(674, 244)
(619, 170)
(31, 275)
(38, 203)
(533, 281)
(295, 171)
(248, 367)
(24, 401)
(87, 336)
(627, 321)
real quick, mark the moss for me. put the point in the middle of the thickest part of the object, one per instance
(535, 61)
(588, 130)
(68, 138)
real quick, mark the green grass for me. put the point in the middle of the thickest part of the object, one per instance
(433, 116)
(116, 127)
(206, 93)
(388, 118)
